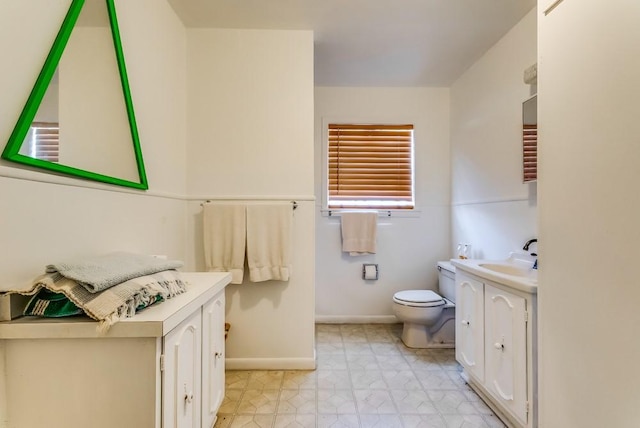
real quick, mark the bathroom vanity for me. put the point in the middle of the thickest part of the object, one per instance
(496, 343)
(164, 367)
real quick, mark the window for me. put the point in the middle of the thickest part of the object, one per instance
(43, 141)
(370, 166)
(530, 139)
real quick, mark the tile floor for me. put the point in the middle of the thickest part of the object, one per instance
(365, 377)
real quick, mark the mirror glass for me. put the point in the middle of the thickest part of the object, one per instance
(530, 139)
(79, 118)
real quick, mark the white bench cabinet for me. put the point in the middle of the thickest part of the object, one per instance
(162, 368)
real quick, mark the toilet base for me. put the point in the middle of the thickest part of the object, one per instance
(415, 335)
(418, 335)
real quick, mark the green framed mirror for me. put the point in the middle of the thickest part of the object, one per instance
(79, 118)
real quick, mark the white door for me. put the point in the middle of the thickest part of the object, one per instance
(181, 383)
(213, 314)
(506, 349)
(470, 324)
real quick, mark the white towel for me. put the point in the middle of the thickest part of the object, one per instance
(224, 227)
(269, 230)
(359, 230)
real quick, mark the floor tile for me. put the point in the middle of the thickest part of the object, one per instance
(332, 361)
(237, 379)
(258, 401)
(374, 401)
(362, 362)
(358, 348)
(252, 421)
(299, 379)
(336, 401)
(330, 348)
(370, 379)
(333, 379)
(397, 362)
(401, 379)
(338, 421)
(423, 421)
(465, 421)
(231, 400)
(380, 421)
(365, 377)
(299, 401)
(265, 379)
(295, 421)
(417, 402)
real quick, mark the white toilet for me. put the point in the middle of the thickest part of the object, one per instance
(429, 317)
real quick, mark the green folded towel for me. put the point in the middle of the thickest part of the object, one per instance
(52, 305)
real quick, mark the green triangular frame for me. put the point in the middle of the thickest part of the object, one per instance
(11, 151)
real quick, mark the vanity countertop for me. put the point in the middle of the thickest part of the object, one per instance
(155, 321)
(525, 279)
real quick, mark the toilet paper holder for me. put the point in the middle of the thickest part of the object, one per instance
(370, 271)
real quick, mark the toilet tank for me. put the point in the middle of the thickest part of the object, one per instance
(447, 280)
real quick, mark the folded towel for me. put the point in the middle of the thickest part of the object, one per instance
(359, 230)
(108, 306)
(269, 230)
(224, 228)
(101, 272)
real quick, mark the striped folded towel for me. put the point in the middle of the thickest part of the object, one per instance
(108, 306)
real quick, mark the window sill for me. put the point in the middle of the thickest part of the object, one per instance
(381, 213)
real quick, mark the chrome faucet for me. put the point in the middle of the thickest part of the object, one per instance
(528, 243)
(526, 248)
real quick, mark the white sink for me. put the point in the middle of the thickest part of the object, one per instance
(507, 268)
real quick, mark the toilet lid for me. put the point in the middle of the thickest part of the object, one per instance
(422, 298)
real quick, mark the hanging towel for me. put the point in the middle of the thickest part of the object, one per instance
(269, 230)
(359, 230)
(224, 239)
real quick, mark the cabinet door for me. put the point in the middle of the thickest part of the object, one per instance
(506, 350)
(470, 324)
(181, 383)
(212, 359)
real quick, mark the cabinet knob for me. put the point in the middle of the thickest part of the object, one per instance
(499, 346)
(464, 322)
(218, 355)
(188, 396)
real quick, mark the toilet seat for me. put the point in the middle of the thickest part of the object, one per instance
(419, 298)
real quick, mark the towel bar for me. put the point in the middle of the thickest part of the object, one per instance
(294, 203)
(380, 213)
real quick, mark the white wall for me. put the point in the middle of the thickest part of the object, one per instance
(93, 213)
(250, 118)
(89, 86)
(589, 215)
(47, 218)
(491, 208)
(408, 247)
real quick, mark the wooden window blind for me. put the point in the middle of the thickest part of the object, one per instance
(370, 166)
(45, 141)
(530, 152)
(530, 139)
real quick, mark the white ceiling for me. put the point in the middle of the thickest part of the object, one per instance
(374, 42)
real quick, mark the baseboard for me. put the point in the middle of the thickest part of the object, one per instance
(356, 319)
(270, 363)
